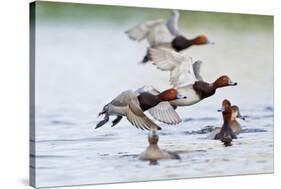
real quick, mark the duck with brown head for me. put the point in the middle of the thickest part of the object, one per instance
(180, 42)
(160, 33)
(234, 124)
(226, 134)
(186, 78)
(133, 104)
(204, 89)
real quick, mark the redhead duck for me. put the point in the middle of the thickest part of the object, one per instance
(226, 134)
(161, 33)
(185, 77)
(153, 153)
(234, 124)
(133, 104)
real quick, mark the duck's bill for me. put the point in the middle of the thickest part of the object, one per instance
(232, 83)
(180, 96)
(221, 110)
(241, 117)
(210, 42)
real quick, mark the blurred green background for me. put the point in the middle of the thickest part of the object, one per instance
(54, 12)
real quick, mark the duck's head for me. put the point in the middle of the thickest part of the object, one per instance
(226, 110)
(236, 113)
(226, 106)
(171, 94)
(201, 40)
(153, 137)
(224, 81)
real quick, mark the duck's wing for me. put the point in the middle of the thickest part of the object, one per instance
(180, 65)
(159, 35)
(172, 23)
(163, 59)
(127, 103)
(140, 31)
(164, 112)
(149, 89)
(137, 118)
(197, 69)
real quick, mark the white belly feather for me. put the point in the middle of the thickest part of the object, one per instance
(191, 95)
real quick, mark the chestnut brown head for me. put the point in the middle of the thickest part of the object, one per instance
(224, 81)
(201, 40)
(170, 94)
(226, 110)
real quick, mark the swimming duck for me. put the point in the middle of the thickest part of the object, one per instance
(132, 105)
(153, 153)
(226, 134)
(234, 124)
(161, 33)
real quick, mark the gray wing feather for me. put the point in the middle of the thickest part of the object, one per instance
(164, 112)
(136, 116)
(196, 69)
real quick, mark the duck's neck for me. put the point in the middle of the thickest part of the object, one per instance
(180, 43)
(226, 118)
(148, 100)
(204, 89)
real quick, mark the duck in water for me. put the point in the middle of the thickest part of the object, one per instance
(226, 134)
(153, 153)
(133, 104)
(234, 124)
(164, 33)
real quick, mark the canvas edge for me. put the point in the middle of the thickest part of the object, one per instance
(32, 33)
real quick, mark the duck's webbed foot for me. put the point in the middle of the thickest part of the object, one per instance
(115, 121)
(102, 122)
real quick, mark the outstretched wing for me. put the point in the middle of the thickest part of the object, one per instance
(140, 31)
(159, 35)
(127, 104)
(197, 69)
(149, 89)
(164, 112)
(155, 31)
(180, 65)
(137, 118)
